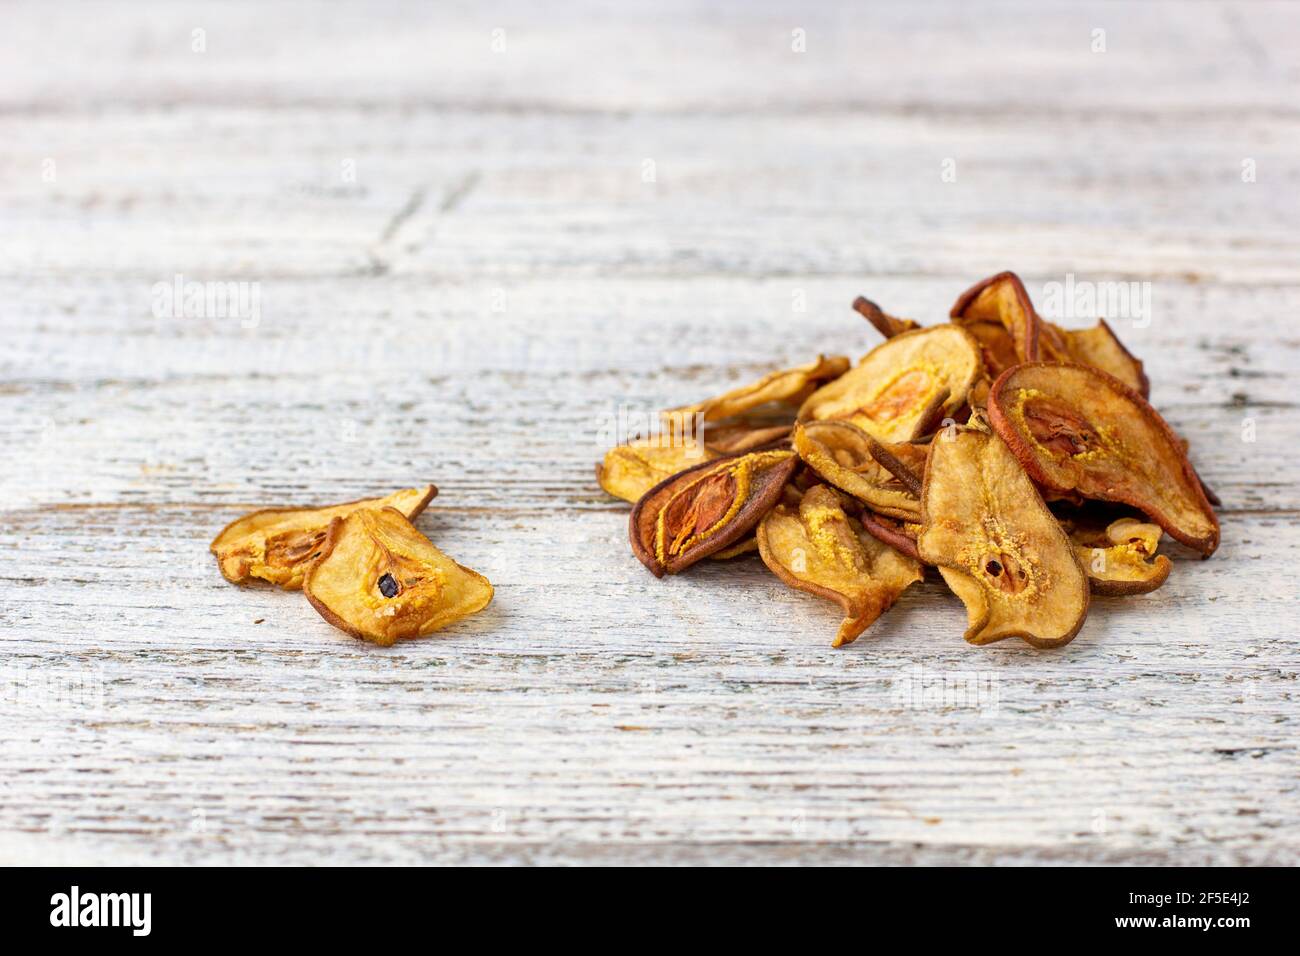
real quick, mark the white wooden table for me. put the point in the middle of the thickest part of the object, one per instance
(471, 249)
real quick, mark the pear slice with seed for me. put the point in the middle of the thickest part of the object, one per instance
(380, 579)
(996, 544)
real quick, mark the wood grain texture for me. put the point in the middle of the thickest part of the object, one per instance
(478, 306)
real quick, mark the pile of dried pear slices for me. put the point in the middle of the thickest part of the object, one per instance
(363, 565)
(1019, 459)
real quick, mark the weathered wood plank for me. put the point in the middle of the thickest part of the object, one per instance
(1161, 58)
(310, 192)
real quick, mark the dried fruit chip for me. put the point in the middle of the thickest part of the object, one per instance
(277, 544)
(379, 579)
(896, 393)
(706, 508)
(1077, 429)
(886, 324)
(1003, 300)
(817, 548)
(786, 385)
(841, 454)
(1120, 558)
(630, 470)
(996, 544)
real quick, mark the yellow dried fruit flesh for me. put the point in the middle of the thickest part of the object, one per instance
(1120, 558)
(278, 544)
(1078, 430)
(1002, 300)
(996, 544)
(904, 387)
(842, 454)
(630, 470)
(706, 509)
(381, 580)
(787, 385)
(816, 547)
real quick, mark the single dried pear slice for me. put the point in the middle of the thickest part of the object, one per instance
(817, 548)
(896, 392)
(884, 323)
(380, 579)
(1077, 429)
(1120, 558)
(841, 454)
(996, 544)
(277, 544)
(706, 508)
(786, 385)
(630, 470)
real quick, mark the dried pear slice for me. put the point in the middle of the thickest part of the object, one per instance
(996, 544)
(630, 470)
(841, 454)
(379, 579)
(786, 385)
(896, 392)
(277, 544)
(817, 548)
(1077, 429)
(1120, 558)
(706, 508)
(884, 323)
